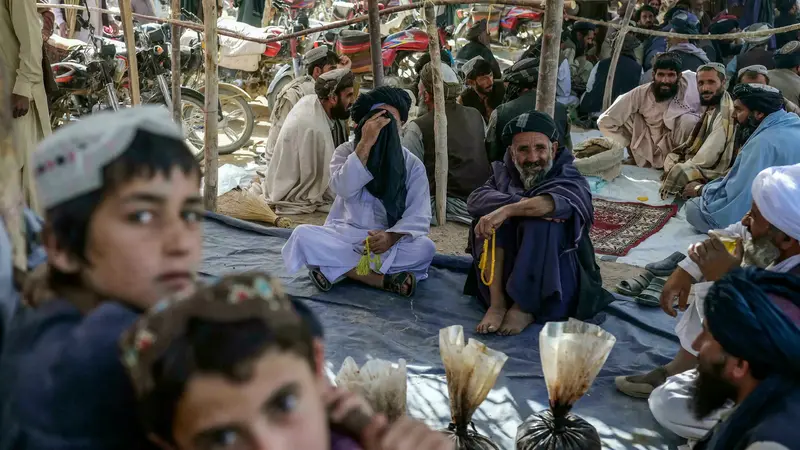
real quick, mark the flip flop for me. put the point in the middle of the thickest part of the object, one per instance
(396, 283)
(316, 275)
(665, 267)
(634, 286)
(640, 386)
(650, 296)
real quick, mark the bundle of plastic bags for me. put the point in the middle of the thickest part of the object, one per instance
(471, 371)
(572, 355)
(379, 382)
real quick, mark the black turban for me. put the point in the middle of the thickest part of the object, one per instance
(524, 74)
(583, 27)
(788, 57)
(759, 97)
(531, 122)
(477, 28)
(383, 95)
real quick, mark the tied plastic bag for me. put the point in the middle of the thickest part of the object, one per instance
(471, 372)
(573, 353)
(379, 382)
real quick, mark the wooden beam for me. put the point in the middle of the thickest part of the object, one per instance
(618, 42)
(375, 42)
(126, 13)
(548, 62)
(211, 107)
(439, 117)
(175, 63)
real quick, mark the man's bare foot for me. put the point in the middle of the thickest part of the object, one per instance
(491, 320)
(515, 321)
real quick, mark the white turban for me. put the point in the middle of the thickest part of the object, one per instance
(776, 192)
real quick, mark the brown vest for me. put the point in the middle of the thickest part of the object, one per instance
(467, 163)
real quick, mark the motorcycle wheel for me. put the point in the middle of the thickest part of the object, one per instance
(192, 105)
(237, 121)
(403, 69)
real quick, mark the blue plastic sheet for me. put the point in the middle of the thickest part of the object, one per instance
(366, 323)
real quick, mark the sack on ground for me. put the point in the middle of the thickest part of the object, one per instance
(572, 355)
(471, 371)
(379, 382)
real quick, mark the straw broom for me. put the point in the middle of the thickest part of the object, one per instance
(248, 206)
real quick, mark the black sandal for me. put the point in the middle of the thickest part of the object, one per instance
(319, 280)
(397, 283)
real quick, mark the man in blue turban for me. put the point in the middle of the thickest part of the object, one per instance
(535, 211)
(382, 205)
(749, 355)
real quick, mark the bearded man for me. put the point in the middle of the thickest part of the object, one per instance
(297, 177)
(767, 237)
(382, 202)
(709, 152)
(773, 135)
(760, 75)
(483, 92)
(656, 117)
(317, 61)
(574, 50)
(536, 211)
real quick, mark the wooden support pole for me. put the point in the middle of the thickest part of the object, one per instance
(375, 42)
(618, 42)
(551, 51)
(126, 13)
(439, 117)
(175, 60)
(211, 106)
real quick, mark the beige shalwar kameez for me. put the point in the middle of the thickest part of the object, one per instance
(21, 49)
(651, 129)
(285, 101)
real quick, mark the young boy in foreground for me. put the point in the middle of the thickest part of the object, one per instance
(232, 367)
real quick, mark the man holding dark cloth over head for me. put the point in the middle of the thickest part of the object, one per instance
(539, 209)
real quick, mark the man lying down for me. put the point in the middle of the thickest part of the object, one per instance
(382, 195)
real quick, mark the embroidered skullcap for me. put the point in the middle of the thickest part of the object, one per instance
(383, 95)
(757, 68)
(583, 27)
(234, 299)
(450, 82)
(524, 72)
(329, 83)
(477, 28)
(757, 40)
(476, 67)
(70, 162)
(759, 97)
(684, 22)
(714, 66)
(315, 54)
(776, 192)
(788, 56)
(532, 122)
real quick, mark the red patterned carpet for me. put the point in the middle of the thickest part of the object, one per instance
(619, 227)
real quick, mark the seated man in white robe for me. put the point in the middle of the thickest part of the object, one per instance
(382, 206)
(297, 177)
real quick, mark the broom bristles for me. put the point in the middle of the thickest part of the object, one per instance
(246, 206)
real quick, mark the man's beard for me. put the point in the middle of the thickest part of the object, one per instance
(711, 391)
(713, 101)
(483, 91)
(761, 252)
(743, 131)
(339, 112)
(662, 95)
(532, 174)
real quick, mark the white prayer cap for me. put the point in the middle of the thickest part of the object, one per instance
(315, 54)
(70, 162)
(757, 68)
(776, 192)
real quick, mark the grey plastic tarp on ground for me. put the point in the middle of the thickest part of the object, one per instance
(365, 323)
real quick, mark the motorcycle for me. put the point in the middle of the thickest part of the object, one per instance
(509, 26)
(401, 52)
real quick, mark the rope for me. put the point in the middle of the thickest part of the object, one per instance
(484, 258)
(362, 268)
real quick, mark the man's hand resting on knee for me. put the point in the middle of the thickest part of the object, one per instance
(382, 241)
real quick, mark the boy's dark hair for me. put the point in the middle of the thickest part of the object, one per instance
(215, 348)
(331, 59)
(481, 68)
(668, 61)
(644, 8)
(147, 156)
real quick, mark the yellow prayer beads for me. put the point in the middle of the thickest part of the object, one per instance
(362, 268)
(484, 257)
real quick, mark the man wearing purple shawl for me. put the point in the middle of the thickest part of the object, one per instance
(539, 208)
